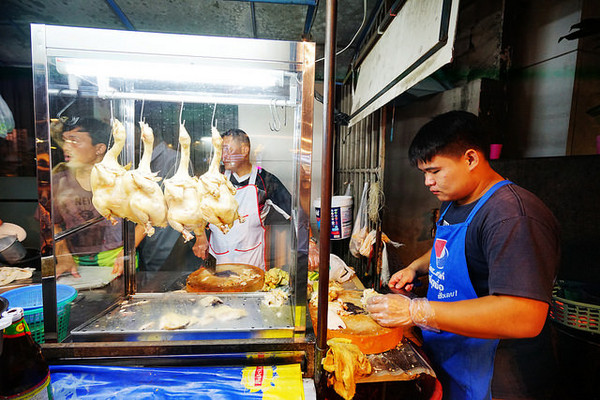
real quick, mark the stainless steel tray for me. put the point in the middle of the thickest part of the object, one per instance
(138, 318)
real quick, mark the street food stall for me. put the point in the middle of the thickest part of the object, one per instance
(145, 296)
(187, 90)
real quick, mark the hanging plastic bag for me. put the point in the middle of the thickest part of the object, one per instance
(366, 248)
(385, 274)
(338, 270)
(361, 224)
(7, 123)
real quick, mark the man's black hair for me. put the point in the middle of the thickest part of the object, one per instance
(449, 134)
(99, 131)
(239, 135)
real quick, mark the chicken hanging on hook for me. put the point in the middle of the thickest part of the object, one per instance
(181, 194)
(146, 200)
(216, 193)
(108, 192)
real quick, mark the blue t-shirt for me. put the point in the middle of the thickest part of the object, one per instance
(512, 245)
(512, 248)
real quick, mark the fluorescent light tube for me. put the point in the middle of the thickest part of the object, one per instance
(169, 72)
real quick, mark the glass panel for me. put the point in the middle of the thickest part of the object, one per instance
(89, 85)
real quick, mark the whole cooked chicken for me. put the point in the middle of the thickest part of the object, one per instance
(146, 200)
(181, 194)
(216, 193)
(108, 192)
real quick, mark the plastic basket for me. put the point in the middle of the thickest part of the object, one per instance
(30, 299)
(574, 314)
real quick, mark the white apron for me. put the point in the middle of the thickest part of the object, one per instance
(244, 243)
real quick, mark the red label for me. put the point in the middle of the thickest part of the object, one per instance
(259, 375)
(439, 247)
(17, 329)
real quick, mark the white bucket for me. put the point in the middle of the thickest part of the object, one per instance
(341, 216)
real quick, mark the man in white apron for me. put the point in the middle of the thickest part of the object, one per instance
(491, 268)
(259, 193)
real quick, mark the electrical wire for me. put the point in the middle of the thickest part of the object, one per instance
(355, 34)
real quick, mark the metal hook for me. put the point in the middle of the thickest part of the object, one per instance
(181, 114)
(142, 111)
(213, 122)
(275, 123)
(65, 108)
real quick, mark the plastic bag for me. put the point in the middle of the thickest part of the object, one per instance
(385, 266)
(366, 248)
(338, 270)
(131, 383)
(7, 123)
(361, 224)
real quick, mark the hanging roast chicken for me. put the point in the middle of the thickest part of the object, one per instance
(147, 203)
(181, 193)
(188, 203)
(217, 201)
(106, 179)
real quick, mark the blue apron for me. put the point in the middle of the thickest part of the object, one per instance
(464, 365)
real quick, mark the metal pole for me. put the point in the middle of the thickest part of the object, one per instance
(326, 181)
(41, 113)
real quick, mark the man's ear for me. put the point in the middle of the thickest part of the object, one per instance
(472, 158)
(245, 150)
(100, 149)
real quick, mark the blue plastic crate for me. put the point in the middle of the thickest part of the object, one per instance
(30, 299)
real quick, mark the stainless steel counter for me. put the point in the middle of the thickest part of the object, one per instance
(108, 328)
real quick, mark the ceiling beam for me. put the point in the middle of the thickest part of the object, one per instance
(295, 2)
(253, 14)
(311, 13)
(120, 14)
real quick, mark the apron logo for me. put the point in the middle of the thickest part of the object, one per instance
(441, 253)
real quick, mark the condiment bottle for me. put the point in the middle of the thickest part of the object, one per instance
(24, 372)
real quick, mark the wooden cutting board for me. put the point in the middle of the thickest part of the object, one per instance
(361, 329)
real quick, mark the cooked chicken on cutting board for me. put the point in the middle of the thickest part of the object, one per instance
(146, 200)
(106, 179)
(216, 192)
(181, 193)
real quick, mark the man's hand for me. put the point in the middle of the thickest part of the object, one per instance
(403, 279)
(119, 264)
(65, 263)
(390, 310)
(394, 310)
(200, 248)
(313, 256)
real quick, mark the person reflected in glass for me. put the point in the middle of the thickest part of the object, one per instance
(84, 144)
(262, 200)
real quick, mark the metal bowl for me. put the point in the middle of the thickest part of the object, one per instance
(11, 250)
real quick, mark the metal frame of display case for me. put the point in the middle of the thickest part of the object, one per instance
(49, 41)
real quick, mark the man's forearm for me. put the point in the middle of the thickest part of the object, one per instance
(492, 317)
(421, 264)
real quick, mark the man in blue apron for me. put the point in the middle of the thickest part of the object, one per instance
(262, 199)
(491, 267)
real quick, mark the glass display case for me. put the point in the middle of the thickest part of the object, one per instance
(93, 88)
